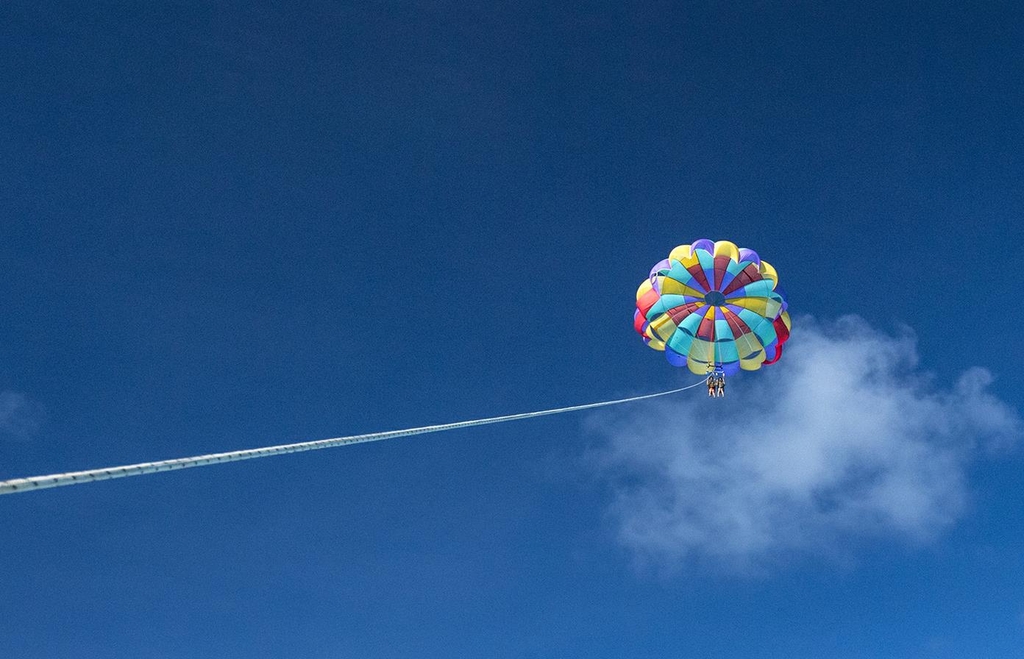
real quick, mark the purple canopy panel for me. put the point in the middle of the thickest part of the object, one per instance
(660, 265)
(749, 255)
(704, 244)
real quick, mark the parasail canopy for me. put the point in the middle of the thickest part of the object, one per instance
(713, 305)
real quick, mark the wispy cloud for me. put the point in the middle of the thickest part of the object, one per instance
(845, 439)
(20, 418)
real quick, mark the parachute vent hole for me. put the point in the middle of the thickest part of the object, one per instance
(715, 298)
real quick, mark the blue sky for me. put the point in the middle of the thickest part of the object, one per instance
(224, 225)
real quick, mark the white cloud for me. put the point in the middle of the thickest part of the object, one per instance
(19, 417)
(845, 439)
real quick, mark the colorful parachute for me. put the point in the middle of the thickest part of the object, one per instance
(713, 305)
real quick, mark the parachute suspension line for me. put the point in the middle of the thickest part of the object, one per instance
(91, 475)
